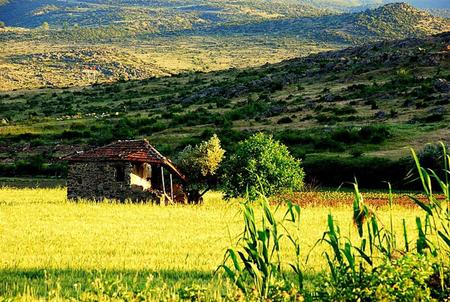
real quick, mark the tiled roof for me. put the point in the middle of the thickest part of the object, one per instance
(126, 150)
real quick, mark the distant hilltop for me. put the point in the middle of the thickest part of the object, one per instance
(169, 15)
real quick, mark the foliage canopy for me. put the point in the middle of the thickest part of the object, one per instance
(262, 163)
(200, 164)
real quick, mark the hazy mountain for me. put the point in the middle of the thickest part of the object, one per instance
(168, 45)
(372, 3)
(165, 13)
(440, 12)
(391, 21)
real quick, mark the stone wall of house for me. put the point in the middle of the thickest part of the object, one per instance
(99, 180)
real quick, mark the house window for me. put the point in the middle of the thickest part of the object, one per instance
(120, 173)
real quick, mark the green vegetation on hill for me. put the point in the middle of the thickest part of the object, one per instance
(163, 15)
(391, 21)
(52, 55)
(35, 63)
(344, 107)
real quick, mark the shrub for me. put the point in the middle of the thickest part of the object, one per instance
(249, 109)
(198, 117)
(230, 137)
(356, 152)
(325, 118)
(32, 166)
(158, 126)
(377, 268)
(375, 134)
(73, 134)
(403, 279)
(371, 172)
(123, 129)
(336, 139)
(431, 156)
(285, 120)
(261, 162)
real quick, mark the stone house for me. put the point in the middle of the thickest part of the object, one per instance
(124, 170)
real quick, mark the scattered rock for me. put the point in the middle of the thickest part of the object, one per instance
(310, 104)
(380, 115)
(439, 110)
(441, 85)
(275, 110)
(329, 98)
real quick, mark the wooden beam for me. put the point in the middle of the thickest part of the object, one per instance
(171, 187)
(162, 178)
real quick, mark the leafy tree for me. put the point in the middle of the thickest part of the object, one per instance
(45, 26)
(200, 164)
(432, 156)
(123, 129)
(261, 163)
(2, 24)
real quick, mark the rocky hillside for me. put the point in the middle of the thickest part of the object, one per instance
(401, 86)
(283, 17)
(358, 4)
(354, 110)
(156, 16)
(399, 19)
(122, 40)
(391, 21)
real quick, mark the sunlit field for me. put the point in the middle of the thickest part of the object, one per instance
(50, 246)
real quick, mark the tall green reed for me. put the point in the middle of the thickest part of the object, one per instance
(378, 244)
(434, 235)
(255, 264)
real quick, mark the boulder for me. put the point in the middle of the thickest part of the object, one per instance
(439, 110)
(380, 115)
(441, 85)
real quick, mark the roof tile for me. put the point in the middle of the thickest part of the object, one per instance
(126, 150)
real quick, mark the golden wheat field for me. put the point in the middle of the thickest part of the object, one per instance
(52, 248)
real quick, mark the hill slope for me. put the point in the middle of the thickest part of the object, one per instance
(343, 4)
(375, 99)
(77, 56)
(391, 21)
(246, 16)
(147, 15)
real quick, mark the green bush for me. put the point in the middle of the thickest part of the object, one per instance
(371, 172)
(336, 139)
(285, 120)
(158, 126)
(248, 109)
(261, 163)
(403, 279)
(33, 166)
(431, 156)
(73, 134)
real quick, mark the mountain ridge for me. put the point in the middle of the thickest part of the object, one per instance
(391, 21)
(66, 56)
